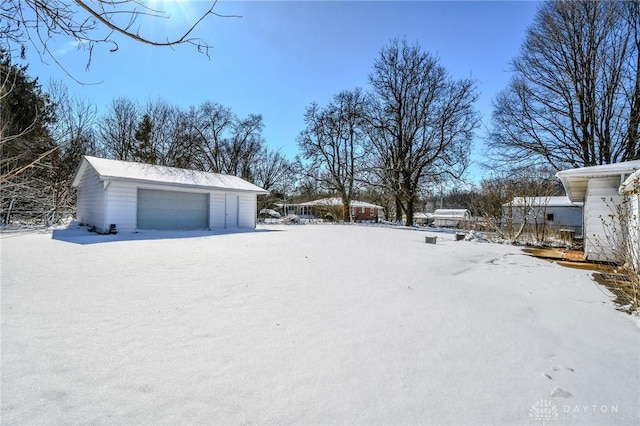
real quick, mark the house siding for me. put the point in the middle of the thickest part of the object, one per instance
(601, 198)
(635, 228)
(91, 199)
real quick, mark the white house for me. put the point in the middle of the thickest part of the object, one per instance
(134, 196)
(551, 211)
(452, 218)
(333, 208)
(598, 187)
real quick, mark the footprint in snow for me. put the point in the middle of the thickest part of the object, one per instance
(560, 393)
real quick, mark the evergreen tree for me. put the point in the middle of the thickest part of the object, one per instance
(25, 142)
(145, 151)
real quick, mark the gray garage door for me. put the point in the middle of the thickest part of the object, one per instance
(172, 210)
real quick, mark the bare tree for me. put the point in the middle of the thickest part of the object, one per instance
(214, 123)
(631, 11)
(163, 121)
(333, 143)
(422, 122)
(244, 146)
(75, 118)
(73, 132)
(117, 128)
(186, 141)
(41, 24)
(269, 171)
(574, 99)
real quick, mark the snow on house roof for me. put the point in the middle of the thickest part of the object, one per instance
(127, 170)
(335, 201)
(555, 201)
(575, 180)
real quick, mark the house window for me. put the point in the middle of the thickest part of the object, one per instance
(550, 217)
(371, 212)
(361, 209)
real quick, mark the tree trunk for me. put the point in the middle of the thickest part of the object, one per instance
(409, 213)
(346, 209)
(398, 208)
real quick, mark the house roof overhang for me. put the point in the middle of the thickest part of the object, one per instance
(575, 181)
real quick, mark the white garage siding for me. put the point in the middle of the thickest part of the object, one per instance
(121, 206)
(600, 201)
(247, 210)
(91, 200)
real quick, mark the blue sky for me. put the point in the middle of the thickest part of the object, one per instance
(278, 57)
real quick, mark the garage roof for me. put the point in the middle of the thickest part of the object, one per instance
(127, 170)
(575, 180)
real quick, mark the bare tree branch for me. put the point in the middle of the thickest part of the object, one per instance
(39, 24)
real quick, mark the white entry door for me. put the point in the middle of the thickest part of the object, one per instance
(231, 211)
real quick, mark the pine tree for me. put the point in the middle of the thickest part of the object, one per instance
(145, 151)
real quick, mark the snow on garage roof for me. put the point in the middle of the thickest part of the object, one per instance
(127, 170)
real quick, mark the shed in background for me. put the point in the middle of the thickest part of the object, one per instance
(451, 218)
(554, 212)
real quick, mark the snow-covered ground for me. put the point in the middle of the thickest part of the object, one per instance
(307, 324)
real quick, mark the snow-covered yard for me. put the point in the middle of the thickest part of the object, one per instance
(312, 324)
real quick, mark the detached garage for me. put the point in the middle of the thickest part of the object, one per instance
(135, 196)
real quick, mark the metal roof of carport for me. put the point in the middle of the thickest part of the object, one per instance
(575, 180)
(127, 170)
